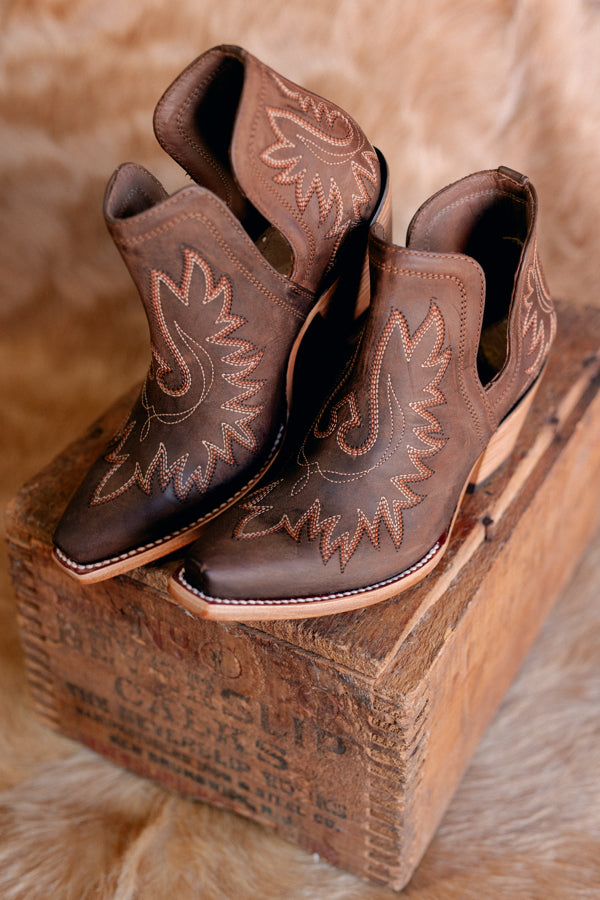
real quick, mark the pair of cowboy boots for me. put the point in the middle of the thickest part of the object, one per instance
(308, 487)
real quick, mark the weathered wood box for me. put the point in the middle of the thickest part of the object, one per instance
(348, 734)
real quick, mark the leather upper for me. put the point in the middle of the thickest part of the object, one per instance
(374, 484)
(298, 159)
(279, 172)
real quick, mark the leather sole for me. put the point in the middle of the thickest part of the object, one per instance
(496, 453)
(101, 570)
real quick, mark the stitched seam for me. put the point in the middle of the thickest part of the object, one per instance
(209, 198)
(193, 144)
(87, 567)
(267, 182)
(243, 356)
(180, 577)
(533, 267)
(213, 164)
(461, 202)
(435, 276)
(388, 512)
(136, 191)
(148, 235)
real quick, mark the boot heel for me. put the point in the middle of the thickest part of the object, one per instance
(504, 439)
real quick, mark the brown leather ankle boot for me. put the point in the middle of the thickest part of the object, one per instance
(458, 331)
(230, 271)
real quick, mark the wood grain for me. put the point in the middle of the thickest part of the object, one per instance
(346, 734)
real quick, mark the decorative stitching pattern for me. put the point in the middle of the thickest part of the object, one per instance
(538, 317)
(464, 302)
(424, 440)
(216, 232)
(300, 148)
(165, 539)
(175, 379)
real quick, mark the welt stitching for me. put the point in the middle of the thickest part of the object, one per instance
(334, 596)
(83, 567)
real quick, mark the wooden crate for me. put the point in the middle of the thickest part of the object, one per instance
(348, 734)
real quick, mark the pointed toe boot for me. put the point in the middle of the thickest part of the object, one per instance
(454, 344)
(231, 270)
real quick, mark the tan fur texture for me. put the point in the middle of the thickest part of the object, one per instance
(443, 87)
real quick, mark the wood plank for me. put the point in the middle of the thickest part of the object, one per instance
(348, 735)
(462, 657)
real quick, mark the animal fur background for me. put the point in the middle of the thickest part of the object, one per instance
(443, 87)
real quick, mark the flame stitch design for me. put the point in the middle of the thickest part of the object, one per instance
(193, 377)
(301, 146)
(422, 442)
(538, 317)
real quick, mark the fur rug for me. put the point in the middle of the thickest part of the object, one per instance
(444, 88)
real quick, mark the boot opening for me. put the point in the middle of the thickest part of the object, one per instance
(489, 223)
(214, 121)
(213, 116)
(196, 128)
(496, 243)
(132, 190)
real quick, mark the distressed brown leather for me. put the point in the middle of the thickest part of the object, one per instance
(228, 270)
(371, 490)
